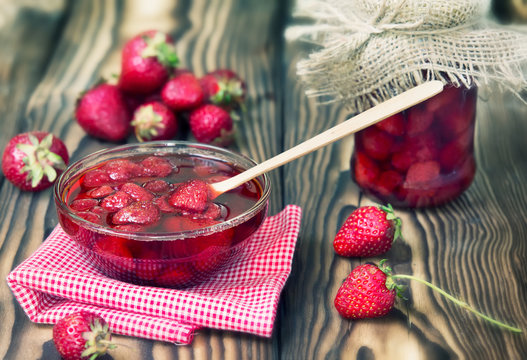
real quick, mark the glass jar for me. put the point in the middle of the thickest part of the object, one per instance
(423, 156)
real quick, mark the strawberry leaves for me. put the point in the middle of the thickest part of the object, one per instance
(158, 47)
(40, 160)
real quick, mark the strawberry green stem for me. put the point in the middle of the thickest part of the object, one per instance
(458, 302)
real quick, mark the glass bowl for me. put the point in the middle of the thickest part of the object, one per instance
(158, 245)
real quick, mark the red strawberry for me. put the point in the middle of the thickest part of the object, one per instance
(83, 204)
(211, 124)
(103, 113)
(163, 205)
(224, 87)
(95, 178)
(388, 181)
(368, 231)
(365, 170)
(190, 196)
(146, 62)
(367, 292)
(418, 120)
(138, 193)
(141, 212)
(182, 92)
(32, 161)
(421, 174)
(156, 166)
(116, 201)
(447, 97)
(82, 335)
(178, 275)
(415, 149)
(376, 143)
(100, 192)
(113, 246)
(454, 153)
(122, 170)
(394, 125)
(457, 117)
(157, 186)
(154, 121)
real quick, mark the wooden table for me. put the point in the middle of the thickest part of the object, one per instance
(474, 247)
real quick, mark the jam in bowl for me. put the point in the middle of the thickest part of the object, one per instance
(117, 205)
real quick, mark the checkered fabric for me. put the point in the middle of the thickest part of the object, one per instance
(57, 280)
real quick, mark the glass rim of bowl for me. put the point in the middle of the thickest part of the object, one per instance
(162, 147)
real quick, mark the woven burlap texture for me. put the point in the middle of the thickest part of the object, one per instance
(367, 51)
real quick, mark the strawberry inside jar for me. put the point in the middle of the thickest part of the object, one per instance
(423, 156)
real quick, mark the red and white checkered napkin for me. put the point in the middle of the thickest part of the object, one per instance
(57, 280)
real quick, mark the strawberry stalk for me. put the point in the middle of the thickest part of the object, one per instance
(390, 215)
(159, 48)
(456, 301)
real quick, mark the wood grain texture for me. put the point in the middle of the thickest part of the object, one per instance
(475, 247)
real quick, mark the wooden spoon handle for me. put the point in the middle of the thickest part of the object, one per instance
(369, 117)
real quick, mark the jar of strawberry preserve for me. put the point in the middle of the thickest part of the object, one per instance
(423, 156)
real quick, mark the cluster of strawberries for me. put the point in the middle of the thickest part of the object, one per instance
(420, 157)
(368, 231)
(152, 97)
(370, 290)
(133, 194)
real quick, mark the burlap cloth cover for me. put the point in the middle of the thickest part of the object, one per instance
(370, 50)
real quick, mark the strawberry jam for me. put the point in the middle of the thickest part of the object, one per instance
(422, 156)
(135, 231)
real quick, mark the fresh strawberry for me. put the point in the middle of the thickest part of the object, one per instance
(141, 212)
(368, 231)
(183, 92)
(146, 62)
(82, 335)
(376, 143)
(394, 125)
(154, 121)
(190, 196)
(367, 292)
(103, 113)
(156, 166)
(33, 160)
(225, 88)
(211, 124)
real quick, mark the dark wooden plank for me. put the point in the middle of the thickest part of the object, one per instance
(81, 47)
(473, 247)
